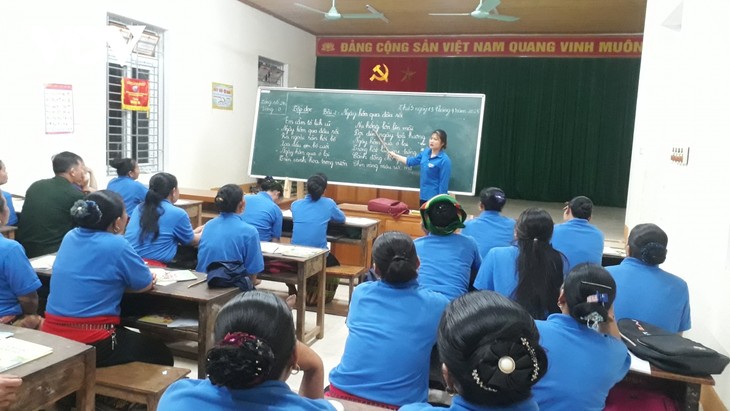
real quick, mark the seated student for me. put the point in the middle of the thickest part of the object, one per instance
(490, 353)
(256, 351)
(449, 261)
(12, 216)
(649, 293)
(125, 184)
(9, 386)
(311, 215)
(157, 227)
(395, 320)
(45, 210)
(490, 229)
(18, 282)
(94, 267)
(262, 210)
(227, 237)
(530, 272)
(578, 239)
(585, 354)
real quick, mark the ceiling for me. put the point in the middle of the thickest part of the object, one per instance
(410, 17)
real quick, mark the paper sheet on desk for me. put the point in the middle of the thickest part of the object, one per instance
(286, 213)
(639, 365)
(43, 263)
(269, 248)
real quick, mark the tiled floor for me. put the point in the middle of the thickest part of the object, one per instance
(610, 220)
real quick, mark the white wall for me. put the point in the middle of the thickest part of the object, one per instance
(684, 99)
(52, 41)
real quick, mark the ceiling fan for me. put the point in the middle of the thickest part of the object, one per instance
(333, 14)
(485, 10)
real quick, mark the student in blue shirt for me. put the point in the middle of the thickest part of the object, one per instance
(255, 353)
(490, 229)
(18, 282)
(530, 272)
(449, 261)
(12, 217)
(646, 292)
(490, 352)
(585, 354)
(125, 184)
(311, 215)
(435, 166)
(262, 210)
(158, 230)
(578, 239)
(227, 237)
(392, 329)
(94, 267)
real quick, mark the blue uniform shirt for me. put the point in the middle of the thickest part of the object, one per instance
(311, 219)
(458, 403)
(92, 270)
(646, 292)
(580, 241)
(435, 172)
(490, 229)
(262, 212)
(17, 277)
(583, 365)
(198, 395)
(392, 329)
(175, 228)
(132, 191)
(447, 262)
(12, 217)
(499, 271)
(228, 238)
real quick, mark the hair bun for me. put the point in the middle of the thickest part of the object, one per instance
(507, 366)
(86, 211)
(653, 253)
(240, 357)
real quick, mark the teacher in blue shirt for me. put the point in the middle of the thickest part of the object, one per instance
(435, 166)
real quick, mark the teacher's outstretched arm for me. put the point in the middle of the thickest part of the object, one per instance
(397, 157)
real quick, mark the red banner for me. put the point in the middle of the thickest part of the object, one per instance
(393, 74)
(135, 94)
(606, 46)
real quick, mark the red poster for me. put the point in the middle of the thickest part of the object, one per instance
(135, 94)
(393, 74)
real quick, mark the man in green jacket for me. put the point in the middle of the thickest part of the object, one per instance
(46, 216)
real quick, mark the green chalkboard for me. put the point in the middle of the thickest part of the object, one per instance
(299, 132)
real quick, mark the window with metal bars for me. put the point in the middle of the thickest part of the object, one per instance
(135, 134)
(271, 73)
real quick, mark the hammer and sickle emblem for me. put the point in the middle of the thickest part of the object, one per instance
(380, 75)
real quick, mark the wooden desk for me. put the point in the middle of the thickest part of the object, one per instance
(194, 208)
(408, 223)
(8, 231)
(355, 233)
(71, 367)
(199, 301)
(684, 389)
(306, 267)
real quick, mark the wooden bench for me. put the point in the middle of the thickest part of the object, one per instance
(137, 382)
(349, 272)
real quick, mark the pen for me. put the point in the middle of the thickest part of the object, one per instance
(197, 282)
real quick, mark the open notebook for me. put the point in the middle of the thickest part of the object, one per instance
(14, 352)
(166, 277)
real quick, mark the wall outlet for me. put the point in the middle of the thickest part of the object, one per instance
(680, 155)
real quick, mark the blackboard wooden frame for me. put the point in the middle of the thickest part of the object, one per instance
(292, 125)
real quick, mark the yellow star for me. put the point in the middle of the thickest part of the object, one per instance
(407, 75)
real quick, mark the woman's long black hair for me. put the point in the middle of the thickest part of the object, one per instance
(161, 185)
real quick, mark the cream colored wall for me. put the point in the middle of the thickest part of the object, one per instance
(684, 100)
(52, 41)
